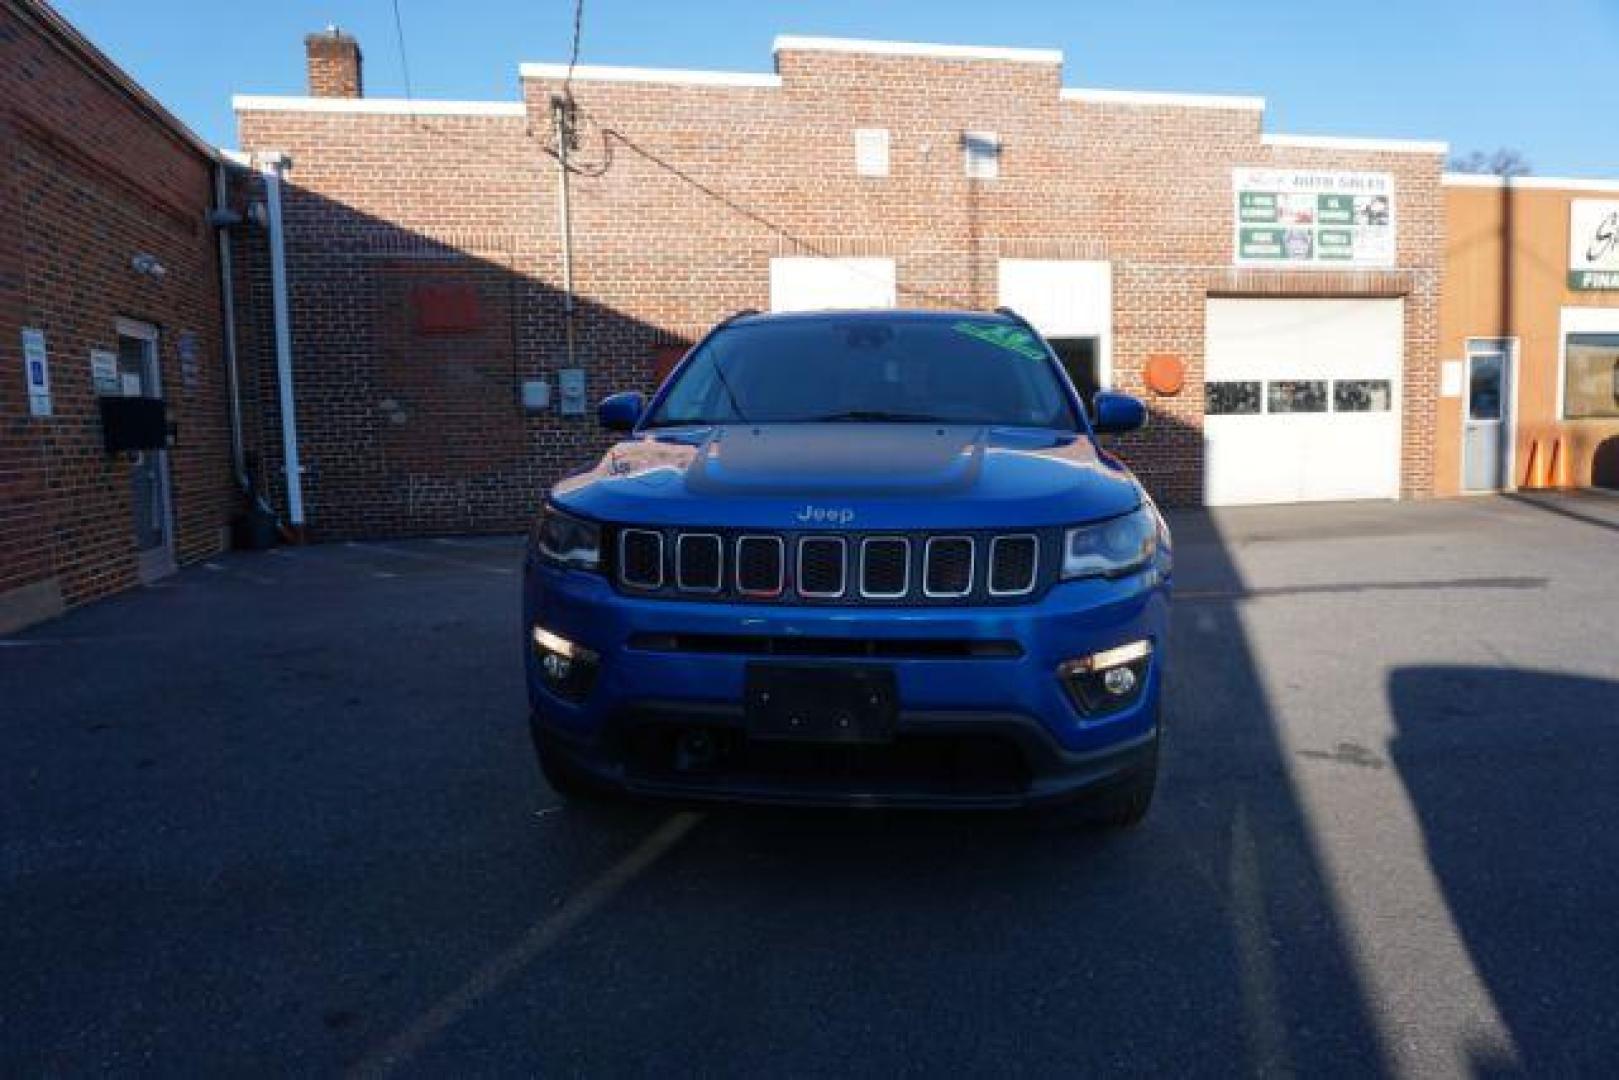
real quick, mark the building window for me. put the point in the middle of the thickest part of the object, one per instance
(871, 151)
(982, 150)
(1591, 376)
(1301, 396)
(1232, 398)
(1362, 395)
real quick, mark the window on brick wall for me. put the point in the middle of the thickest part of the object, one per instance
(871, 151)
(982, 154)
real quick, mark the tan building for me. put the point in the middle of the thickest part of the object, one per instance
(1529, 334)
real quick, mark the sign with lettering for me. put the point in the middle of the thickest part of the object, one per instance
(1291, 218)
(1593, 244)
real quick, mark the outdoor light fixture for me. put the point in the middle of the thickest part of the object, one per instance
(148, 265)
(569, 669)
(1109, 680)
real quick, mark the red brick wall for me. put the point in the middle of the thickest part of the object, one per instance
(691, 189)
(89, 179)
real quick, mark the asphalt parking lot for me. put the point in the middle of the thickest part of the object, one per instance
(280, 814)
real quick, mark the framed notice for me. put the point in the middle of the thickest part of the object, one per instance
(1593, 244)
(1291, 218)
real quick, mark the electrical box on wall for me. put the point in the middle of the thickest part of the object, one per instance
(134, 423)
(571, 391)
(536, 395)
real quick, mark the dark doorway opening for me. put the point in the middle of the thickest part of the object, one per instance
(1079, 358)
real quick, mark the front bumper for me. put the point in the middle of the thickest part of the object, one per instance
(990, 731)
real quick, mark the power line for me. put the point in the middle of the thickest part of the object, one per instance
(573, 54)
(404, 62)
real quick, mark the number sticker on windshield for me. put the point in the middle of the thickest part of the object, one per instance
(1009, 338)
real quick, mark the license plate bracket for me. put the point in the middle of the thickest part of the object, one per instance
(838, 703)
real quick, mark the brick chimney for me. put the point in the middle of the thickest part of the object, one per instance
(334, 64)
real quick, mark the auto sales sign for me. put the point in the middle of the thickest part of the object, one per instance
(1593, 244)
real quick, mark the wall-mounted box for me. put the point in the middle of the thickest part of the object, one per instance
(134, 423)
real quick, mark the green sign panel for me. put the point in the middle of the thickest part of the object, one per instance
(1335, 209)
(1257, 205)
(1262, 244)
(1592, 280)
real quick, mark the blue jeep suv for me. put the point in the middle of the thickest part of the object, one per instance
(854, 558)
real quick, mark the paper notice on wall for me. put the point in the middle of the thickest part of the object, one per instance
(37, 371)
(104, 372)
(1450, 379)
(131, 384)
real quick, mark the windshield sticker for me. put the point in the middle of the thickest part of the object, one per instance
(1009, 338)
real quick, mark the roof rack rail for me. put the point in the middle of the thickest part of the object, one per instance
(735, 315)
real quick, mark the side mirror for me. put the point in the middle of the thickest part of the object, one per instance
(620, 412)
(1116, 413)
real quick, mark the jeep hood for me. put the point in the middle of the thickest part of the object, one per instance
(853, 475)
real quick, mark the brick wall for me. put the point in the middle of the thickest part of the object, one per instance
(689, 190)
(89, 178)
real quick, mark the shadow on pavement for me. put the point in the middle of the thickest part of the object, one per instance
(1512, 774)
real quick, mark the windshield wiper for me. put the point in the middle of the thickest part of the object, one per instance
(873, 416)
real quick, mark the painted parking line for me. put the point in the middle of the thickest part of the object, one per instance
(496, 973)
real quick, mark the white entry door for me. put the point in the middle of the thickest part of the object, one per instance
(1302, 400)
(815, 284)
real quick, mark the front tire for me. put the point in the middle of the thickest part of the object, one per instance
(1126, 805)
(565, 778)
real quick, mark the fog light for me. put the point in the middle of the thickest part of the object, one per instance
(1107, 681)
(1119, 681)
(569, 669)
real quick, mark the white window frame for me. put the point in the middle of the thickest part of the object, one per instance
(1580, 320)
(986, 167)
(871, 151)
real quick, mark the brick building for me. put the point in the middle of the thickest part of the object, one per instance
(109, 288)
(1171, 232)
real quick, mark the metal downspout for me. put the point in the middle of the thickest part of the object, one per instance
(270, 169)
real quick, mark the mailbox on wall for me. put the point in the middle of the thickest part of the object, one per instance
(134, 423)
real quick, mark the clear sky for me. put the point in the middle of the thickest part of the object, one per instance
(1541, 76)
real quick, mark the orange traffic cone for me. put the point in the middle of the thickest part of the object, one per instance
(1534, 474)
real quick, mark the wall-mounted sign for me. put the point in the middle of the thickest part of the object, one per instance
(185, 343)
(37, 371)
(104, 372)
(1299, 218)
(1593, 244)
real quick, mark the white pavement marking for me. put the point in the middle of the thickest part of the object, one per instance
(399, 1050)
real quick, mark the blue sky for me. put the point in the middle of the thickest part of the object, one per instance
(1538, 75)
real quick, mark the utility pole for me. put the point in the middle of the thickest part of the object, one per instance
(562, 116)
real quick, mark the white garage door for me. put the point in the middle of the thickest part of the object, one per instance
(1303, 400)
(812, 284)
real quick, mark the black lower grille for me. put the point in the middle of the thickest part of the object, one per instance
(949, 566)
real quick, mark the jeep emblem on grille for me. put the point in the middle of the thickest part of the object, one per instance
(825, 515)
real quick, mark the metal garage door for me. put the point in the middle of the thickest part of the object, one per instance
(1303, 400)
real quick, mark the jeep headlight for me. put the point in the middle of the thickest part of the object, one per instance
(1112, 548)
(565, 540)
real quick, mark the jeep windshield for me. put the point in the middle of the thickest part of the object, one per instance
(866, 368)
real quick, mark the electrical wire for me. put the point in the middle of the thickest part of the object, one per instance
(404, 62)
(573, 53)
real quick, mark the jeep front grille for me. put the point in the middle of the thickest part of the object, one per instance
(837, 568)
